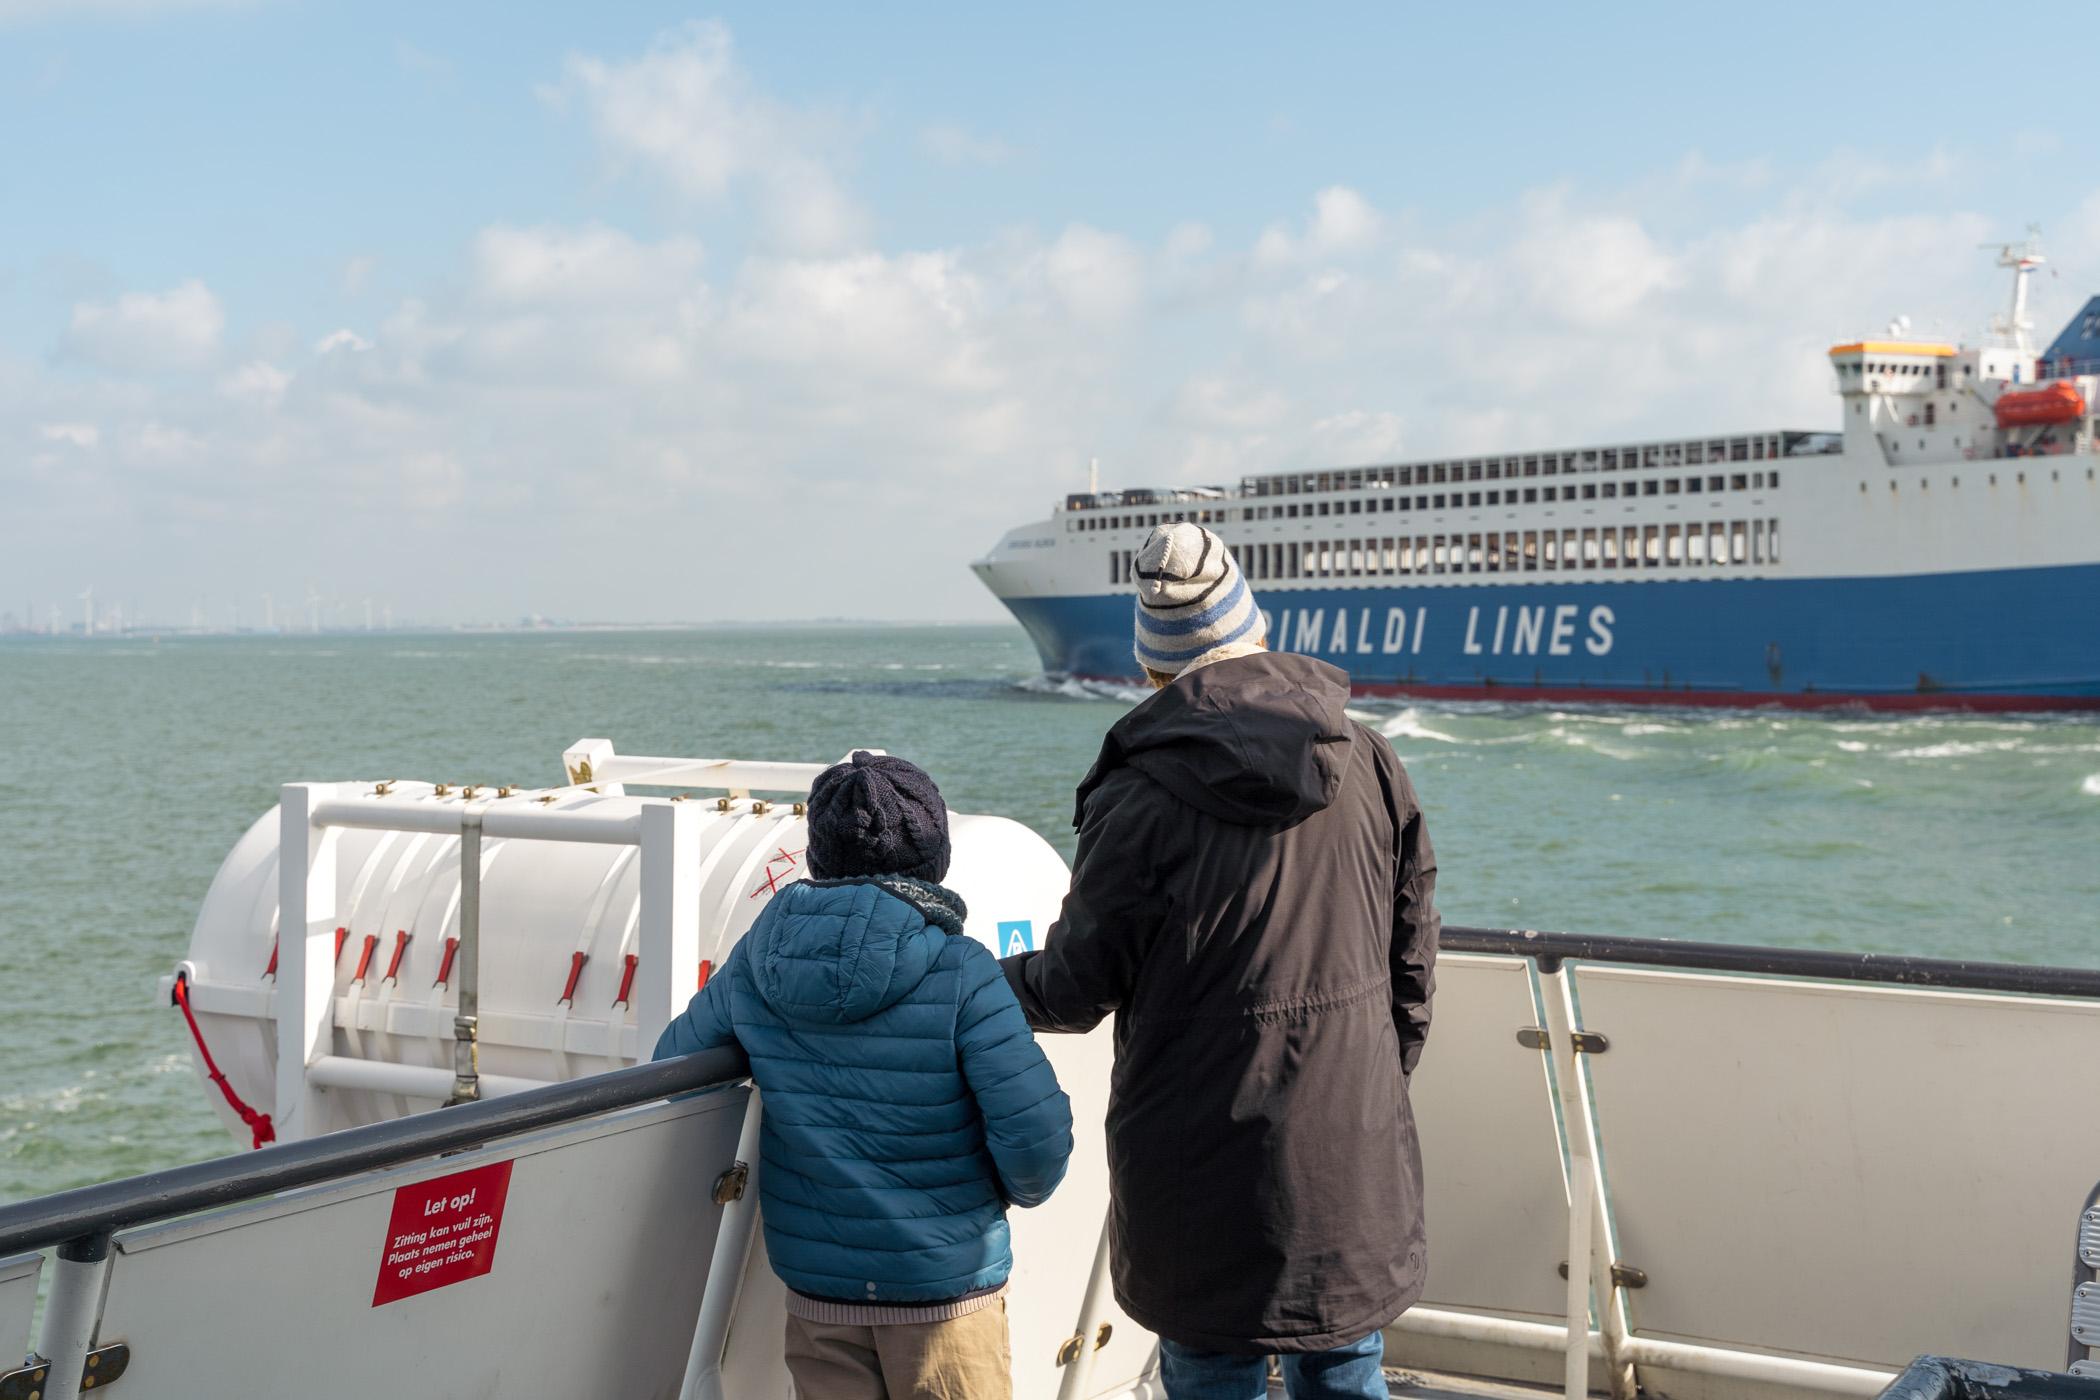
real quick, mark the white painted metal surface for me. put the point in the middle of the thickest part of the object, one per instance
(1491, 1162)
(600, 1257)
(18, 1278)
(1847, 1172)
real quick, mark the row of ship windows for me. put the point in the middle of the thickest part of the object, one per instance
(1654, 454)
(1453, 500)
(1696, 545)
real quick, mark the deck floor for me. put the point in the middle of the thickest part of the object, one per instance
(1429, 1385)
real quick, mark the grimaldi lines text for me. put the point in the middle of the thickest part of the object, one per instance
(1940, 549)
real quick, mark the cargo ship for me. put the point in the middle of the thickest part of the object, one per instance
(1940, 548)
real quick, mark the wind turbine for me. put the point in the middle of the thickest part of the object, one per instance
(87, 611)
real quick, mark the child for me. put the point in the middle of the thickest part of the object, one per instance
(906, 1103)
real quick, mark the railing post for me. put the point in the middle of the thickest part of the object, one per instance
(725, 1271)
(669, 933)
(306, 924)
(73, 1313)
(1590, 1246)
(466, 1020)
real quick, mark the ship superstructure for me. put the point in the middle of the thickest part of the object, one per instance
(1941, 547)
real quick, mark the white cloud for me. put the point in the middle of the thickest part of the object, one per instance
(1098, 276)
(148, 331)
(550, 265)
(1592, 270)
(81, 435)
(686, 112)
(955, 145)
(1342, 222)
(257, 382)
(342, 339)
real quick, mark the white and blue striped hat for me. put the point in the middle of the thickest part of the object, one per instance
(1192, 602)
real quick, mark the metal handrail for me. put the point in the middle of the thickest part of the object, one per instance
(81, 1221)
(1896, 968)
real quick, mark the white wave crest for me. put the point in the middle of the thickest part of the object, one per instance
(1408, 725)
(2091, 786)
(1073, 688)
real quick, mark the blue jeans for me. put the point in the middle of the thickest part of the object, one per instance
(1353, 1372)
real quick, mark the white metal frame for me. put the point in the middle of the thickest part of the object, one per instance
(666, 833)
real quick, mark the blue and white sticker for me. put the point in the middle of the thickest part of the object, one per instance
(1016, 936)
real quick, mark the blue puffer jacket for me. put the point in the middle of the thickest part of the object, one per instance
(906, 1101)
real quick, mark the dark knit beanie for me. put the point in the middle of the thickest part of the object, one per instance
(877, 815)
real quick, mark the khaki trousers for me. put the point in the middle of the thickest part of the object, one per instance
(967, 1358)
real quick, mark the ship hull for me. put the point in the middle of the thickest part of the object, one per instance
(2014, 639)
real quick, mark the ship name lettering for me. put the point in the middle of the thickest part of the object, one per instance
(1306, 635)
(1531, 626)
(1561, 643)
(1395, 629)
(1340, 640)
(1363, 633)
(1599, 640)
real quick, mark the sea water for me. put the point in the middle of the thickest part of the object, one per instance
(133, 765)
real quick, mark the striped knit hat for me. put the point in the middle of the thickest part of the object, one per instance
(1193, 606)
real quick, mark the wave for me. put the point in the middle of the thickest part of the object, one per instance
(1408, 725)
(1073, 688)
(2091, 786)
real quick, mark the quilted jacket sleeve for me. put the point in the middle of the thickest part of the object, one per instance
(706, 1022)
(1027, 1118)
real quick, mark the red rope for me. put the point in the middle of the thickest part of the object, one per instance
(258, 1123)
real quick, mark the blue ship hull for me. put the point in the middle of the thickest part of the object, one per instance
(2005, 639)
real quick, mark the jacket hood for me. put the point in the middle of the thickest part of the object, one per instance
(838, 951)
(1257, 740)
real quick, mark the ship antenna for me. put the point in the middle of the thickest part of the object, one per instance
(2021, 259)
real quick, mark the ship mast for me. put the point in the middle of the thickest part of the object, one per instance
(2016, 329)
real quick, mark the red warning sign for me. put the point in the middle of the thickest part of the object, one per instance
(443, 1231)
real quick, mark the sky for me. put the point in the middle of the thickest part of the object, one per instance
(649, 313)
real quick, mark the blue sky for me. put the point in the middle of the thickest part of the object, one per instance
(702, 290)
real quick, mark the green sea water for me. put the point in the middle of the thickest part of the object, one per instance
(132, 766)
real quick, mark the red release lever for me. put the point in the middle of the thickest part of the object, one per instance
(568, 992)
(364, 959)
(706, 968)
(271, 970)
(445, 965)
(393, 964)
(340, 935)
(627, 980)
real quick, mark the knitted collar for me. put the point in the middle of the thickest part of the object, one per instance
(937, 904)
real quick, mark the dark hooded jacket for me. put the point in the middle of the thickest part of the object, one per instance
(1253, 900)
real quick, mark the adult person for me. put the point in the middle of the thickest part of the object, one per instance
(1252, 898)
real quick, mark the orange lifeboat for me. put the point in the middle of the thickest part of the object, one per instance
(2030, 408)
